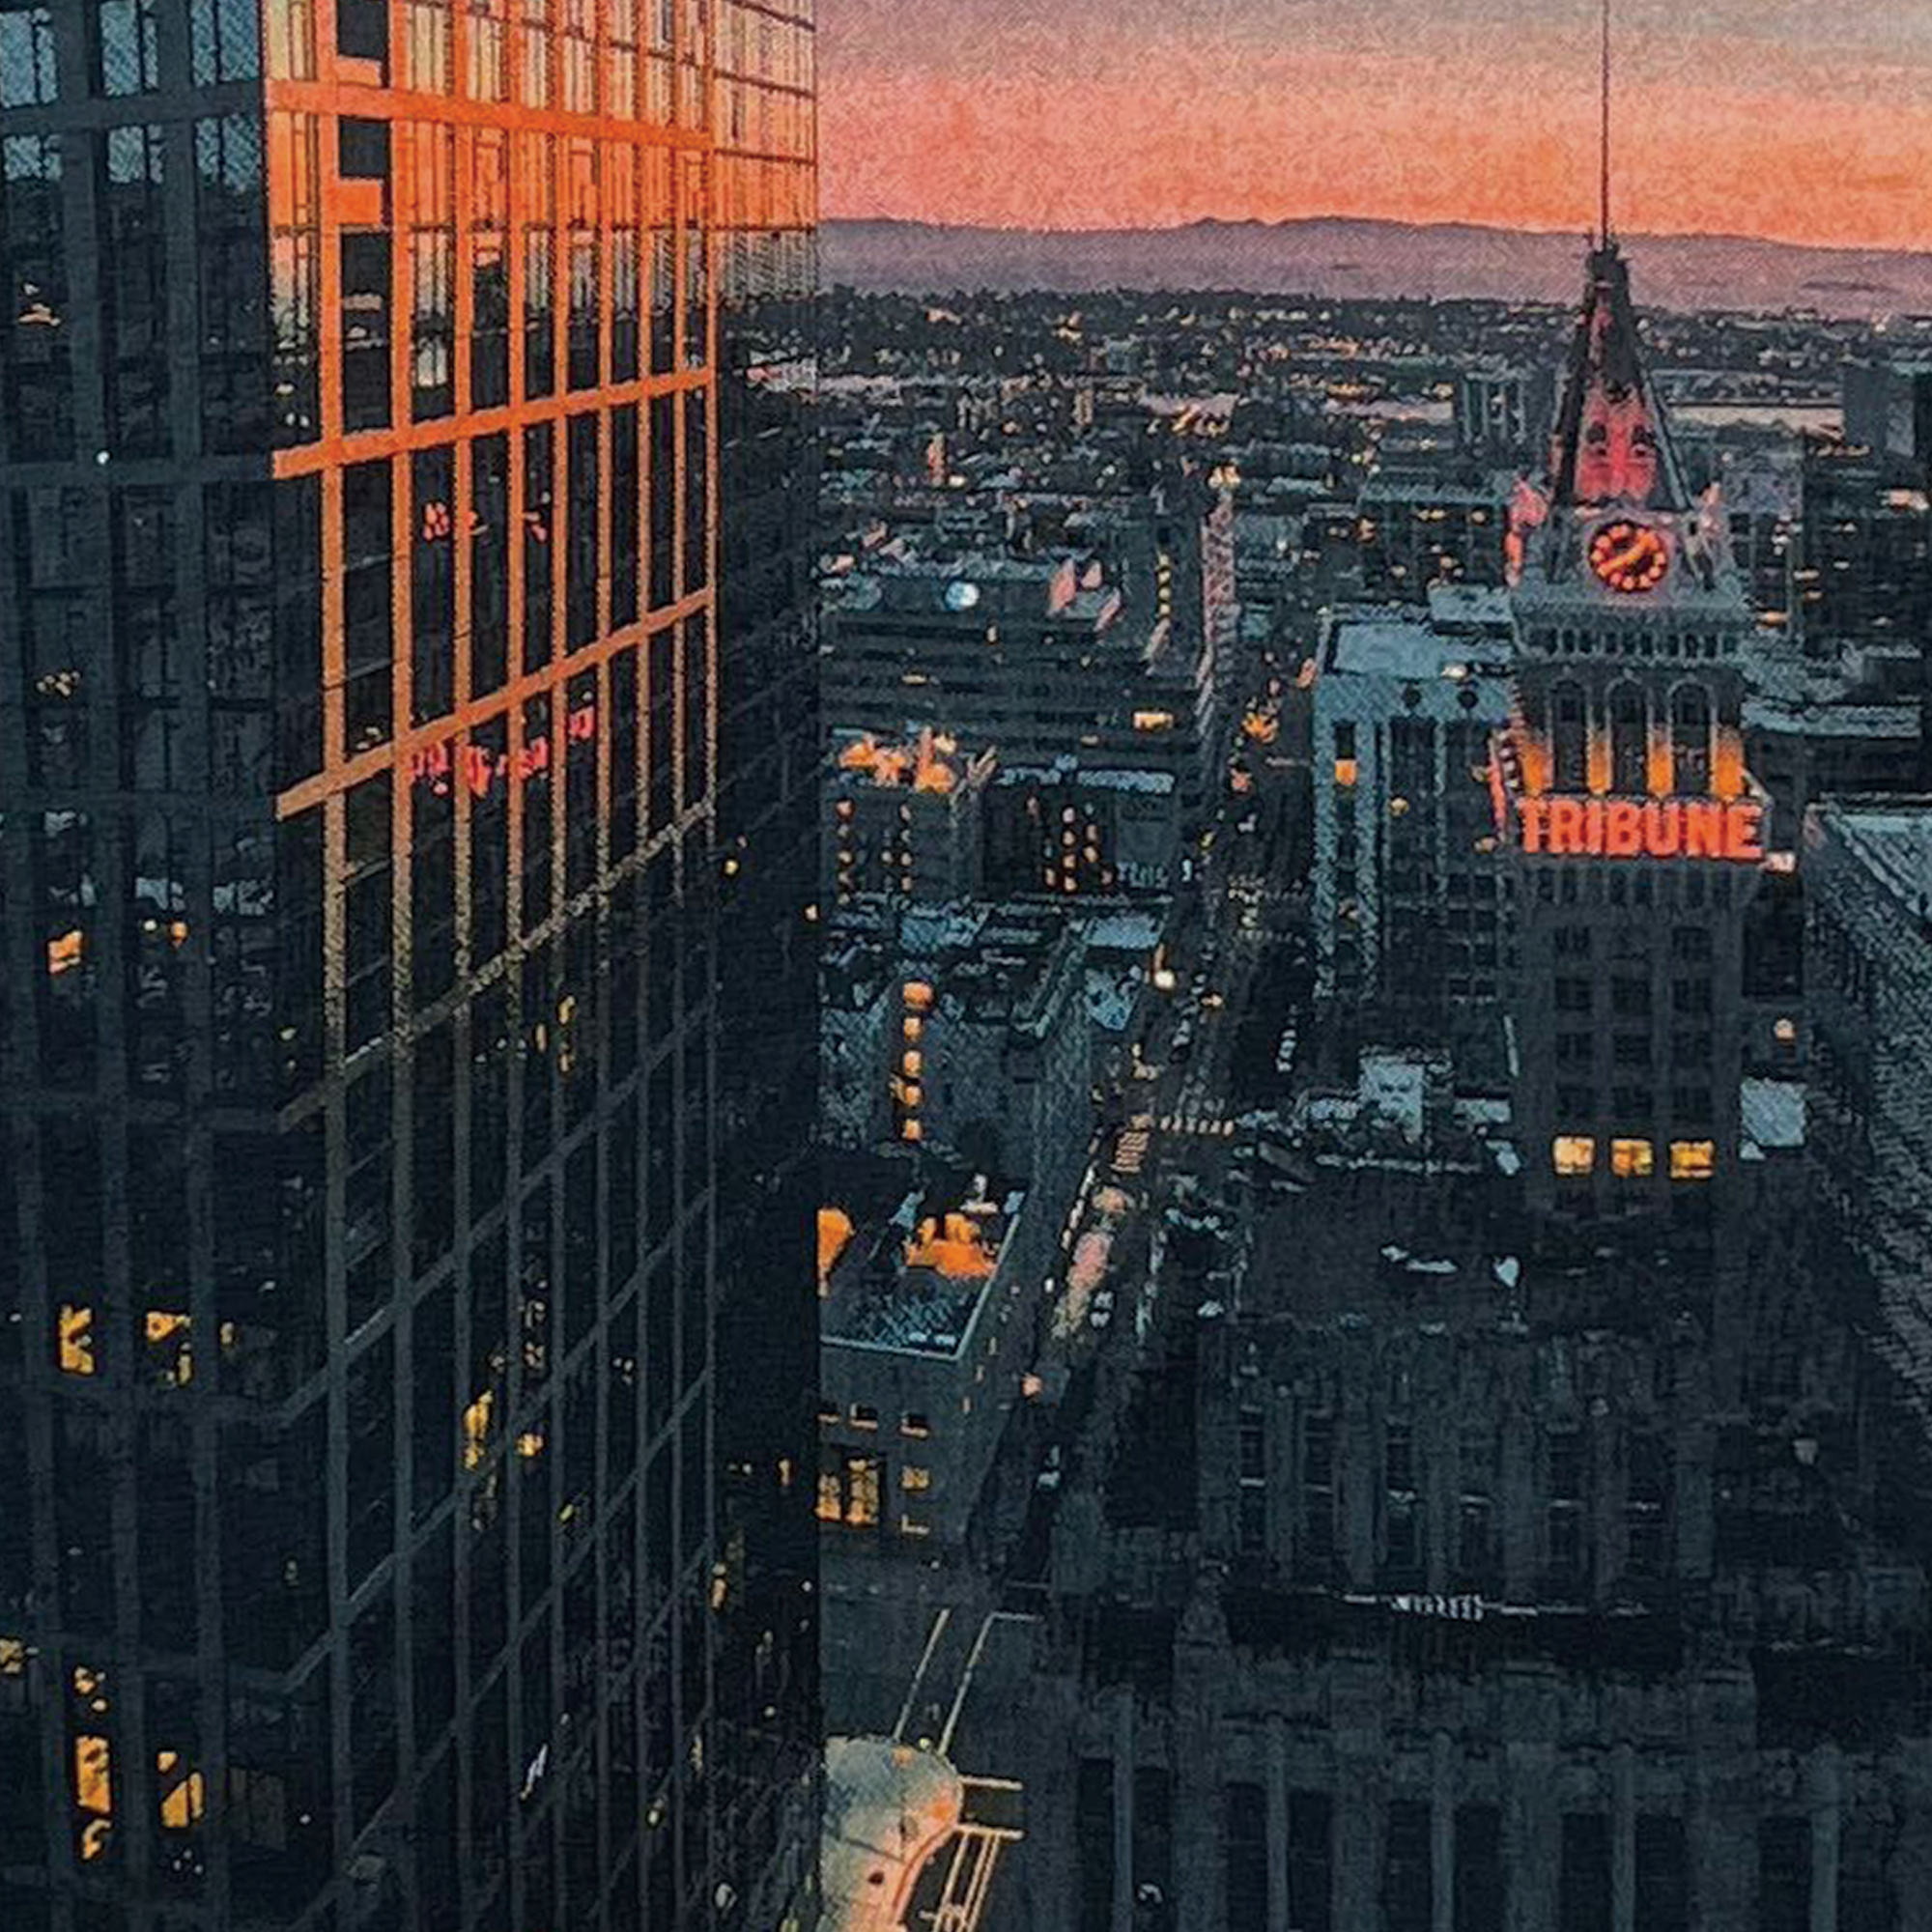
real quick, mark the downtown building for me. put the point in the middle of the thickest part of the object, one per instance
(1633, 833)
(363, 778)
(1410, 924)
(1491, 1604)
(1868, 987)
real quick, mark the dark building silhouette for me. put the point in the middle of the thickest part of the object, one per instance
(365, 727)
(767, 870)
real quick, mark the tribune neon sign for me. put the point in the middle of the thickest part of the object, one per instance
(1651, 828)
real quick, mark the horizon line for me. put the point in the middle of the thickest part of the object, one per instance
(1582, 231)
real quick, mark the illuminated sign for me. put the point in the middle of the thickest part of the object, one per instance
(1650, 828)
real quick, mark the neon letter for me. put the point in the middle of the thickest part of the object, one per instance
(1622, 829)
(1743, 829)
(1530, 815)
(1566, 824)
(1663, 828)
(1703, 830)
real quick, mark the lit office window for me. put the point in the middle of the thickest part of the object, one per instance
(1632, 1160)
(1573, 1153)
(1692, 1160)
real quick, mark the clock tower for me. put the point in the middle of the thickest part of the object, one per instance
(1633, 830)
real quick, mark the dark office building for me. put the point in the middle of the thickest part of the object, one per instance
(359, 751)
(1864, 568)
(768, 878)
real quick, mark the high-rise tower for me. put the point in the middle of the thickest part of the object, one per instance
(767, 873)
(359, 779)
(1635, 831)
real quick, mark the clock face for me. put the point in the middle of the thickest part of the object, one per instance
(1629, 556)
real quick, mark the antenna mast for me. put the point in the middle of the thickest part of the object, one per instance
(1604, 229)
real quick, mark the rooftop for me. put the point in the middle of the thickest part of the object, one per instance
(930, 762)
(1798, 715)
(984, 962)
(1484, 492)
(911, 1279)
(1466, 608)
(1892, 837)
(1392, 644)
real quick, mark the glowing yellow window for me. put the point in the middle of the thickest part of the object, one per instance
(184, 1792)
(94, 1775)
(831, 1506)
(862, 1507)
(476, 1428)
(913, 1477)
(914, 1061)
(910, 1130)
(1632, 1160)
(912, 1026)
(917, 994)
(1573, 1153)
(169, 1351)
(77, 1339)
(1692, 1160)
(1346, 772)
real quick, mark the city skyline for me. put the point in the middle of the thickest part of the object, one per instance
(1749, 123)
(995, 1080)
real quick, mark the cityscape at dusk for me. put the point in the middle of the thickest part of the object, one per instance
(965, 969)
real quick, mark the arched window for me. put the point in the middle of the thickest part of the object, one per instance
(1570, 732)
(1690, 741)
(1630, 750)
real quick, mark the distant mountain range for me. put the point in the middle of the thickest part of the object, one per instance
(1342, 257)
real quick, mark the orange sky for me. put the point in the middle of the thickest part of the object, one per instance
(1018, 127)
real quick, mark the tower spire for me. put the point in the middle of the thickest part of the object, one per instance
(1604, 231)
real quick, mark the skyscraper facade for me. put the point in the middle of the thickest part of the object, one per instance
(360, 677)
(767, 882)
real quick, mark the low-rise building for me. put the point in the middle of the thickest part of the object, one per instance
(907, 819)
(960, 1030)
(929, 1286)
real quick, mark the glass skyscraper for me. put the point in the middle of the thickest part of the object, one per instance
(767, 802)
(362, 824)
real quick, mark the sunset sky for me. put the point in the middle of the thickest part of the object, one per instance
(1807, 120)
